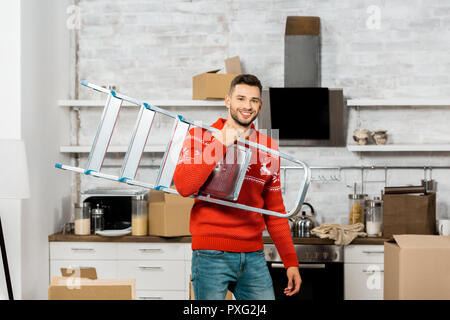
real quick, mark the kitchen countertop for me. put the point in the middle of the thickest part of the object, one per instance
(188, 239)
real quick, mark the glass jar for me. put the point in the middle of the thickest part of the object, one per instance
(139, 215)
(98, 219)
(374, 217)
(82, 218)
(356, 208)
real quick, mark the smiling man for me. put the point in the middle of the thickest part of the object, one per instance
(227, 242)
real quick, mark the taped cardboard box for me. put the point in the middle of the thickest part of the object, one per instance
(417, 267)
(168, 214)
(82, 284)
(213, 85)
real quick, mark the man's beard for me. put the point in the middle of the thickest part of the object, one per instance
(235, 116)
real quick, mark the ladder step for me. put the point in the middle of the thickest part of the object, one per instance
(173, 150)
(137, 144)
(104, 133)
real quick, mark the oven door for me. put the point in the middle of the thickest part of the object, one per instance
(320, 281)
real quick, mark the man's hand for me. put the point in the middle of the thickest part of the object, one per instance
(229, 134)
(294, 281)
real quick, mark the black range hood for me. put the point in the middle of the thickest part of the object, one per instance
(303, 113)
(303, 116)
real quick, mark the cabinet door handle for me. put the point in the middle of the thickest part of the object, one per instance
(82, 249)
(366, 251)
(372, 271)
(151, 298)
(150, 249)
(150, 267)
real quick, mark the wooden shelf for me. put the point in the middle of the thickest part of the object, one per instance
(400, 148)
(158, 103)
(111, 149)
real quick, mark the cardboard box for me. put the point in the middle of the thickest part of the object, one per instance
(213, 85)
(82, 284)
(168, 214)
(417, 267)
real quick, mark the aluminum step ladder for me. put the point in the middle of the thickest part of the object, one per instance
(240, 151)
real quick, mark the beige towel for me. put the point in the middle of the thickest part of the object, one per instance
(343, 235)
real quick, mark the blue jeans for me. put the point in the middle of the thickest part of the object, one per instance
(245, 274)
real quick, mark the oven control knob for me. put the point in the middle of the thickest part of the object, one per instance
(316, 255)
(325, 255)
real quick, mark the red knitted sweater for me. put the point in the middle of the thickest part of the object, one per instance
(217, 227)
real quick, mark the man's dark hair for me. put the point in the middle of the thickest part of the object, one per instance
(247, 79)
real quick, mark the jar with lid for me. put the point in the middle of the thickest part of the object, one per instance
(82, 218)
(139, 215)
(356, 208)
(374, 217)
(98, 219)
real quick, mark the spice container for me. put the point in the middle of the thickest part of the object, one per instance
(356, 208)
(374, 217)
(98, 219)
(139, 215)
(82, 218)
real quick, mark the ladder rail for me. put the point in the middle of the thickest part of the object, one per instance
(296, 207)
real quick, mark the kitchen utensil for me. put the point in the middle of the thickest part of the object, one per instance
(444, 227)
(374, 217)
(303, 224)
(98, 219)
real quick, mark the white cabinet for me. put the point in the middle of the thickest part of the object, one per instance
(363, 272)
(160, 269)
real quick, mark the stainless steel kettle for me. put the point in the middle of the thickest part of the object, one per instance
(303, 224)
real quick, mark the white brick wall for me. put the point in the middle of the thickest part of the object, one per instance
(151, 49)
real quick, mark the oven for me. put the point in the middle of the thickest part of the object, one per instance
(321, 270)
